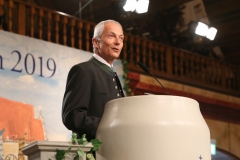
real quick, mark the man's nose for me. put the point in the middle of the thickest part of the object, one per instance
(117, 41)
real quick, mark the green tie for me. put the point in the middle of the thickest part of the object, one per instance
(112, 71)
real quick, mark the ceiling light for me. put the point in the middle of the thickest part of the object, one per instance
(201, 29)
(130, 5)
(142, 6)
(211, 33)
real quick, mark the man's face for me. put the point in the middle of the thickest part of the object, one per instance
(110, 43)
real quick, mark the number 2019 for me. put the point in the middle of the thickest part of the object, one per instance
(51, 65)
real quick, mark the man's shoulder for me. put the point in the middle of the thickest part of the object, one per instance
(83, 64)
(80, 68)
(86, 66)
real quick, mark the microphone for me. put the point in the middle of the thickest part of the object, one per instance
(145, 68)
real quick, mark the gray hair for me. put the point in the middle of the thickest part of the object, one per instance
(100, 26)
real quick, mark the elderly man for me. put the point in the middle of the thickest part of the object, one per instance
(91, 84)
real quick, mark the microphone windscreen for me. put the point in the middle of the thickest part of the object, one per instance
(143, 67)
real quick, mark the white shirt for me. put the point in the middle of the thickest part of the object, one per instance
(102, 60)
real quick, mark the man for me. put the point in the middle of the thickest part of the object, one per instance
(91, 84)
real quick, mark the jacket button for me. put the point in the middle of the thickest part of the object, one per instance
(118, 95)
(116, 87)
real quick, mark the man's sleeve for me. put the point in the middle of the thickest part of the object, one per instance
(76, 102)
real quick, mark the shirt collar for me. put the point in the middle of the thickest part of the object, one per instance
(101, 60)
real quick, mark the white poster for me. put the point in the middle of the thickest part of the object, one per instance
(33, 76)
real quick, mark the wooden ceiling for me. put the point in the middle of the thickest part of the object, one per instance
(222, 14)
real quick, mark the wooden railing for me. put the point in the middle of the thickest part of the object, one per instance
(164, 61)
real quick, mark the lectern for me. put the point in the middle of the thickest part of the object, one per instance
(153, 127)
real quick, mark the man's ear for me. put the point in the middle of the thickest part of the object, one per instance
(95, 43)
